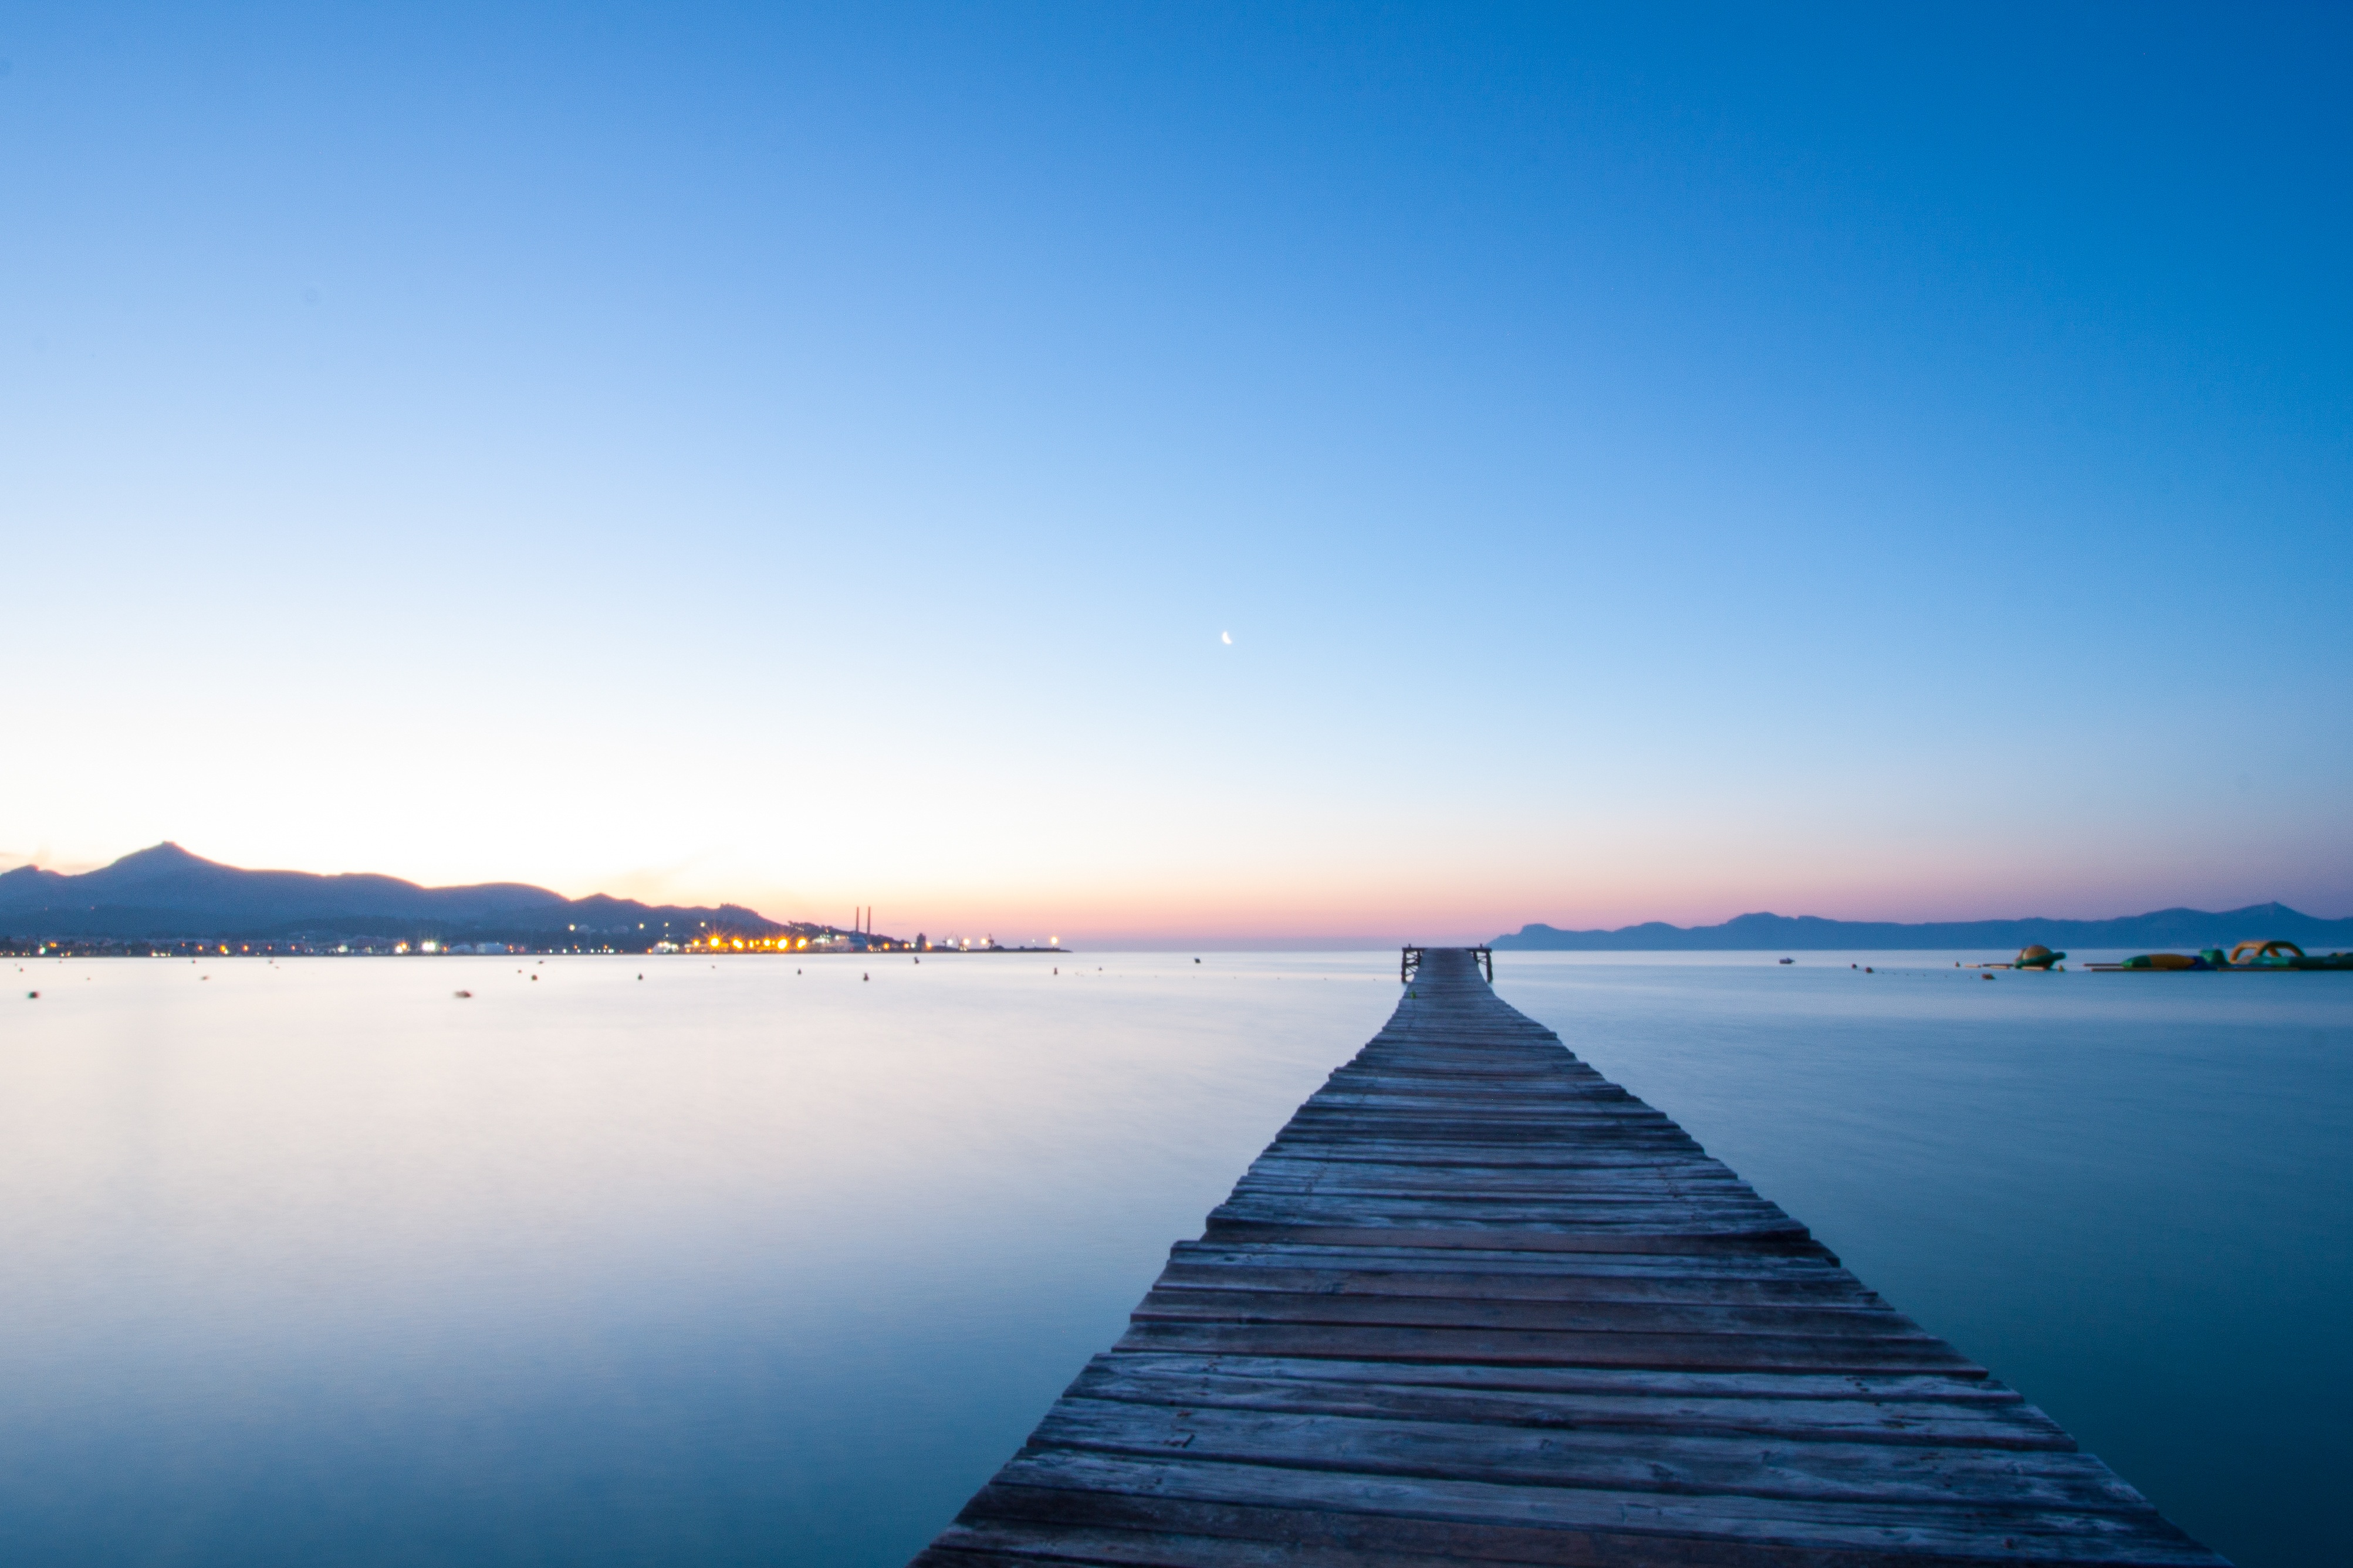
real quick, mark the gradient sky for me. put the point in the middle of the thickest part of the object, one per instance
(1649, 465)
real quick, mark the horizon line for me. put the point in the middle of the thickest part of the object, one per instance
(1147, 941)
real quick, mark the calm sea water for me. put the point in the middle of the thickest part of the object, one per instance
(315, 1262)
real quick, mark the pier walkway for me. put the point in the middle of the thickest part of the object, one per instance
(1477, 1304)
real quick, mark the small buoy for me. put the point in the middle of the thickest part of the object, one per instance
(463, 994)
(1984, 977)
(866, 977)
(1197, 961)
(641, 977)
(535, 980)
(1866, 969)
(32, 996)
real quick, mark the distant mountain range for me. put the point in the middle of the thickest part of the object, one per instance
(1770, 932)
(166, 893)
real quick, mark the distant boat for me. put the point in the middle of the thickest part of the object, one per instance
(1785, 961)
(2032, 956)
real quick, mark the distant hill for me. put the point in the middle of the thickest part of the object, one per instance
(1770, 932)
(166, 893)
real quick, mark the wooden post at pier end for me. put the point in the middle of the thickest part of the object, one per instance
(1477, 1304)
(1409, 961)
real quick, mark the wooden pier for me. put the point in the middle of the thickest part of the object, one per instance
(1477, 1304)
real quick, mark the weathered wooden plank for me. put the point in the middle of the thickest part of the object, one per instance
(1172, 1302)
(1615, 1383)
(1561, 1154)
(1505, 1257)
(1365, 1179)
(1692, 1238)
(1662, 1210)
(1668, 1352)
(1363, 1543)
(1295, 1171)
(1463, 1166)
(1911, 1421)
(1542, 1067)
(1433, 1137)
(1424, 1115)
(1519, 1275)
(1460, 1190)
(1621, 1459)
(1524, 1286)
(1577, 1096)
(1535, 1153)
(1511, 1208)
(1468, 1074)
(1522, 1099)
(1006, 1543)
(1000, 1543)
(1063, 1483)
(1530, 1155)
(1424, 1216)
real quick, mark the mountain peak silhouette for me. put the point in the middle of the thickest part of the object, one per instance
(1764, 932)
(166, 891)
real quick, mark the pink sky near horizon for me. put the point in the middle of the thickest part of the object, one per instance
(1373, 907)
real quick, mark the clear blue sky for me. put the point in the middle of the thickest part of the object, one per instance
(1653, 465)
